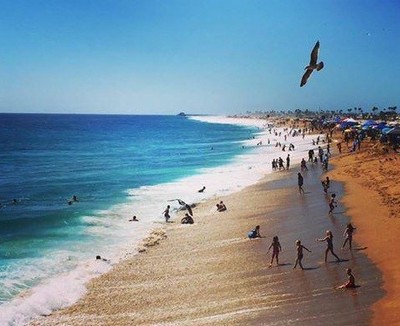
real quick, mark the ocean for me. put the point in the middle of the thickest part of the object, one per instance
(117, 166)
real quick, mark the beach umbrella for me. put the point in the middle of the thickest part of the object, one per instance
(350, 120)
(369, 123)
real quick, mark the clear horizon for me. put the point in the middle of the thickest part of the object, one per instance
(210, 57)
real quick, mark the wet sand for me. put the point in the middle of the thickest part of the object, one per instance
(209, 273)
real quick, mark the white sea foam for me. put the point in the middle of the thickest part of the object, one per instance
(112, 236)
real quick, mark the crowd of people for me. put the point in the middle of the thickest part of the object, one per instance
(322, 157)
(279, 164)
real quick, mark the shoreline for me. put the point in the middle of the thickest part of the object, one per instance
(379, 308)
(166, 283)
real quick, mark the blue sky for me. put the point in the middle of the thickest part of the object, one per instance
(163, 57)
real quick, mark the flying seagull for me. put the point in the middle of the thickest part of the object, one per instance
(313, 64)
(182, 203)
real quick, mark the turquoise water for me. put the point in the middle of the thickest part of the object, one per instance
(107, 162)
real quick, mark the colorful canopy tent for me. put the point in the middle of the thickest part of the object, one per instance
(347, 123)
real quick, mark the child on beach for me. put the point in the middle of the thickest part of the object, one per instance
(328, 181)
(325, 184)
(255, 233)
(351, 283)
(187, 219)
(299, 258)
(221, 206)
(332, 203)
(300, 181)
(348, 234)
(166, 214)
(324, 187)
(329, 242)
(276, 248)
(303, 165)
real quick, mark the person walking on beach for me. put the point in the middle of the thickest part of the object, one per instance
(287, 162)
(329, 245)
(300, 181)
(280, 162)
(325, 184)
(348, 234)
(332, 203)
(339, 146)
(166, 214)
(276, 248)
(328, 181)
(303, 165)
(351, 283)
(299, 258)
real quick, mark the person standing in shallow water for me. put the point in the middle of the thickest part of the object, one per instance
(276, 248)
(299, 258)
(287, 162)
(300, 181)
(332, 203)
(348, 234)
(329, 245)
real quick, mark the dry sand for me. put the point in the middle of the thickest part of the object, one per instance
(372, 184)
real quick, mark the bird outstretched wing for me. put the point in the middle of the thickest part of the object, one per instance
(314, 54)
(305, 77)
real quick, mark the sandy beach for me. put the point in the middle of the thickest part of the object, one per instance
(211, 273)
(372, 180)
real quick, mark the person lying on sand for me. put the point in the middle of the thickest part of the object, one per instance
(202, 189)
(351, 283)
